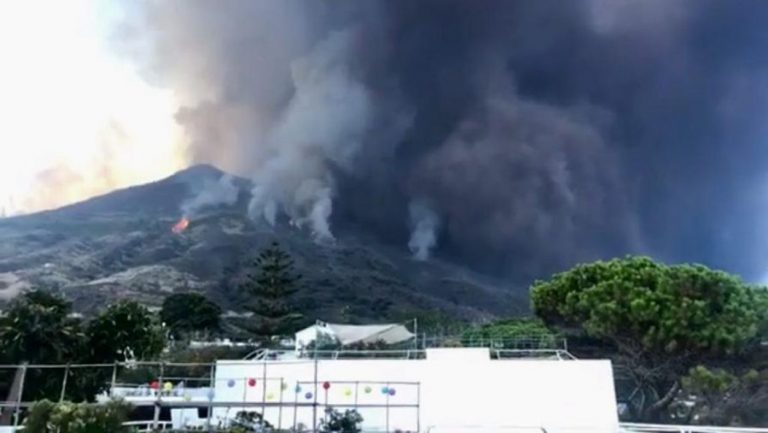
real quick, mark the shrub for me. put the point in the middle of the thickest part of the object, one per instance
(66, 417)
(337, 422)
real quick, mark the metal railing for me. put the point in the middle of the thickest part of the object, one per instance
(495, 354)
(521, 342)
(553, 354)
(167, 390)
(630, 427)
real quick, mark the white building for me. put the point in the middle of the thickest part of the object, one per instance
(448, 390)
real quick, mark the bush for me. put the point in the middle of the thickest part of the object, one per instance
(249, 422)
(336, 422)
(189, 312)
(66, 417)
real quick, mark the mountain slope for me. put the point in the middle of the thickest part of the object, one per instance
(120, 245)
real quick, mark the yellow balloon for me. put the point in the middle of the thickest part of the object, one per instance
(270, 396)
(168, 386)
(347, 392)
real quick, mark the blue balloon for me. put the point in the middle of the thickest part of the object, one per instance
(231, 383)
(384, 390)
(308, 395)
(391, 391)
(210, 394)
(298, 389)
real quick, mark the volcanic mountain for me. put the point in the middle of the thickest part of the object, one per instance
(121, 245)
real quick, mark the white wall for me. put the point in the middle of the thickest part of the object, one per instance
(460, 390)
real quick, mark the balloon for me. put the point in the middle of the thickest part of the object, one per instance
(251, 382)
(231, 383)
(167, 386)
(270, 396)
(154, 385)
(308, 395)
(298, 388)
(368, 390)
(187, 397)
(384, 390)
(347, 392)
(210, 395)
(283, 386)
(391, 391)
(326, 385)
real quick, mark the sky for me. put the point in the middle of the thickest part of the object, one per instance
(517, 137)
(78, 120)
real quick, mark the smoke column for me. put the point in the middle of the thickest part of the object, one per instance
(212, 193)
(542, 133)
(323, 122)
(424, 223)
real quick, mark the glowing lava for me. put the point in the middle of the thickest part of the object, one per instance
(181, 225)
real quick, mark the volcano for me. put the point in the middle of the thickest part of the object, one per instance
(120, 245)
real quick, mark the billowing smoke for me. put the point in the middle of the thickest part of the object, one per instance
(424, 223)
(323, 123)
(212, 193)
(543, 133)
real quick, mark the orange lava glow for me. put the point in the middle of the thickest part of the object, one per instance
(180, 226)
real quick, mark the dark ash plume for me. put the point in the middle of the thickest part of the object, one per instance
(543, 133)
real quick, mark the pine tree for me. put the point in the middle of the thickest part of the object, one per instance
(272, 285)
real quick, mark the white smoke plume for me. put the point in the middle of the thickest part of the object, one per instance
(213, 193)
(424, 223)
(261, 206)
(324, 123)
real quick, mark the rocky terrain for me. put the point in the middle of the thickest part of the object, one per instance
(120, 245)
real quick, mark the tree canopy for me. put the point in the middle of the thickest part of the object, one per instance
(662, 319)
(273, 282)
(188, 312)
(125, 329)
(664, 308)
(39, 328)
(723, 397)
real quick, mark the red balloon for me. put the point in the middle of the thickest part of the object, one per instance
(251, 382)
(326, 385)
(154, 385)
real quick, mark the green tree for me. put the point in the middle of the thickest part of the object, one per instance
(272, 285)
(663, 320)
(719, 397)
(38, 329)
(188, 312)
(125, 329)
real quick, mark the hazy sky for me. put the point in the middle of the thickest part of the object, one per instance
(77, 120)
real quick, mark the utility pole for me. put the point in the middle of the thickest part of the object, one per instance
(416, 333)
(314, 394)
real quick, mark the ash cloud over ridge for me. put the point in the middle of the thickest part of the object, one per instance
(540, 133)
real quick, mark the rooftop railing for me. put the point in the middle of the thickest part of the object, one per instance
(629, 427)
